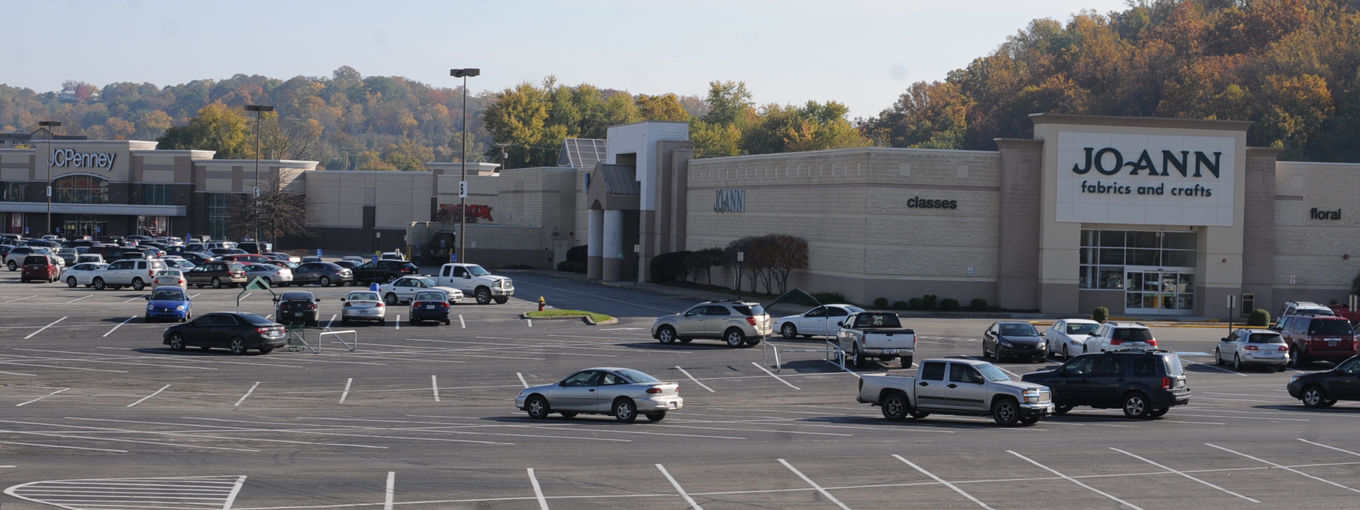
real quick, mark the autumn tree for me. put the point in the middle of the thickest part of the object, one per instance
(217, 128)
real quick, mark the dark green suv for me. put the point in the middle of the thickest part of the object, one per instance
(1145, 384)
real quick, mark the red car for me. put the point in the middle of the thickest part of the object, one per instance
(40, 267)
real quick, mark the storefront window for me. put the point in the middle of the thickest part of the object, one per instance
(1105, 253)
(12, 191)
(218, 215)
(154, 226)
(80, 189)
(156, 194)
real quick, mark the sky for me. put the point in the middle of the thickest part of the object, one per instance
(861, 53)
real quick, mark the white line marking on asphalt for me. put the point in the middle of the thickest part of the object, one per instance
(269, 317)
(115, 328)
(391, 490)
(219, 430)
(1244, 417)
(158, 392)
(129, 300)
(31, 335)
(678, 488)
(243, 397)
(1013, 374)
(814, 485)
(42, 397)
(235, 489)
(1182, 473)
(530, 322)
(434, 383)
(1286, 468)
(1193, 422)
(1221, 369)
(63, 446)
(521, 379)
(346, 393)
(329, 322)
(777, 378)
(696, 381)
(538, 491)
(7, 466)
(16, 300)
(18, 373)
(1329, 447)
(1074, 480)
(618, 329)
(79, 298)
(460, 321)
(246, 296)
(398, 321)
(942, 481)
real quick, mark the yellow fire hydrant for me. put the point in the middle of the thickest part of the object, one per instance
(541, 302)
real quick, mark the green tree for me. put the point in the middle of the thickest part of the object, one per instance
(518, 117)
(665, 107)
(217, 128)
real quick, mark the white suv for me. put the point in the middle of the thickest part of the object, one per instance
(1303, 308)
(135, 273)
(1120, 336)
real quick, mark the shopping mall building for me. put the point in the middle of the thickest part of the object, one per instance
(1144, 216)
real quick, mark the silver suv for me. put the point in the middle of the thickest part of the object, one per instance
(735, 322)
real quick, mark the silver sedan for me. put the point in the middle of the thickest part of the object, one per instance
(621, 392)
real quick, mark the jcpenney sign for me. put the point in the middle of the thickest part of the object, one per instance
(70, 158)
(1137, 179)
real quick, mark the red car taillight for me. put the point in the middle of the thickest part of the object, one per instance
(751, 320)
(1251, 348)
(1116, 341)
(1152, 342)
(348, 304)
(653, 390)
(1166, 383)
(263, 331)
(1284, 347)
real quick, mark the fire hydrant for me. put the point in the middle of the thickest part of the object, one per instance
(541, 302)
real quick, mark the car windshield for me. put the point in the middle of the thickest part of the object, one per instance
(168, 294)
(429, 282)
(1133, 334)
(1018, 330)
(1330, 327)
(992, 373)
(636, 376)
(296, 296)
(477, 270)
(1081, 328)
(363, 296)
(1266, 338)
(429, 296)
(254, 319)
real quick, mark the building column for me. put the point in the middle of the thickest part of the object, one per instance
(611, 258)
(594, 242)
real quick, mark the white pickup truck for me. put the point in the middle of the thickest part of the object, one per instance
(957, 386)
(878, 335)
(477, 282)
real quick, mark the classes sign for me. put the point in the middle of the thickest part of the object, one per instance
(1146, 179)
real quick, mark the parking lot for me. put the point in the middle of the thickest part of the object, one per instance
(101, 415)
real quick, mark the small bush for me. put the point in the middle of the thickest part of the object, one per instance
(901, 305)
(572, 266)
(880, 303)
(915, 304)
(949, 304)
(930, 301)
(1101, 314)
(577, 253)
(827, 298)
(668, 267)
(978, 304)
(1259, 317)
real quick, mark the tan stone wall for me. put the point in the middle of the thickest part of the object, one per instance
(1315, 251)
(335, 198)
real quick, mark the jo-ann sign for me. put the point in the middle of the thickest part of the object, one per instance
(1146, 179)
(70, 158)
(730, 200)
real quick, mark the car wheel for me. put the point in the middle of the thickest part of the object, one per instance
(985, 354)
(656, 416)
(390, 299)
(23, 280)
(918, 414)
(13, 266)
(894, 407)
(1218, 358)
(999, 353)
(500, 300)
(537, 407)
(1237, 362)
(176, 342)
(238, 345)
(1029, 420)
(788, 331)
(266, 350)
(666, 335)
(624, 410)
(1293, 358)
(98, 283)
(1158, 413)
(1314, 397)
(568, 414)
(325, 281)
(1136, 405)
(1006, 412)
(734, 337)
(906, 361)
(684, 340)
(1061, 409)
(483, 295)
(71, 281)
(216, 283)
(1065, 354)
(856, 359)
(138, 284)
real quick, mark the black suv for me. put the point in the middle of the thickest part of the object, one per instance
(383, 271)
(1144, 383)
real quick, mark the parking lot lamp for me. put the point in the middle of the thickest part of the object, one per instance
(47, 125)
(258, 109)
(462, 183)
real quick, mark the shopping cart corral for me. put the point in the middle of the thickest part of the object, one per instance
(831, 353)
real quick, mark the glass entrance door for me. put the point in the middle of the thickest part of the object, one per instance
(1151, 290)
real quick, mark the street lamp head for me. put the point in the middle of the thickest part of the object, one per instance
(465, 73)
(259, 108)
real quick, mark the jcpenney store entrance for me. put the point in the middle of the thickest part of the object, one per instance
(1155, 270)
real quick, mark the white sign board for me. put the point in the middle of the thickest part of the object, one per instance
(1146, 179)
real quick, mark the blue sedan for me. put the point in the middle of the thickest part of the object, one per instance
(169, 303)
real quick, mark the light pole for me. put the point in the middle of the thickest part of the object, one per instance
(47, 126)
(462, 184)
(259, 109)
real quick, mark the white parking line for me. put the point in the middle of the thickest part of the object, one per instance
(31, 335)
(345, 395)
(460, 321)
(243, 397)
(696, 381)
(195, 295)
(235, 489)
(42, 397)
(814, 485)
(538, 491)
(1182, 473)
(391, 490)
(1074, 480)
(1216, 367)
(1329, 447)
(678, 488)
(942, 481)
(87, 296)
(63, 446)
(530, 322)
(777, 378)
(18, 373)
(115, 328)
(434, 383)
(398, 321)
(521, 379)
(129, 300)
(143, 399)
(1286, 468)
(329, 322)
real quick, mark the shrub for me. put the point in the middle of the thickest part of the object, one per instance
(901, 305)
(1259, 317)
(577, 254)
(929, 301)
(1101, 314)
(880, 303)
(915, 304)
(978, 304)
(572, 266)
(668, 267)
(827, 298)
(949, 304)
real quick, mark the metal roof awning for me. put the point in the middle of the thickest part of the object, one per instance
(105, 209)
